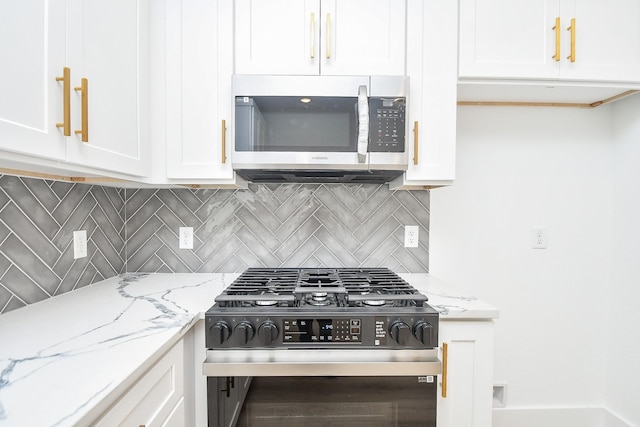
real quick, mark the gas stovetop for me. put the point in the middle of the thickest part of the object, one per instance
(320, 289)
(318, 308)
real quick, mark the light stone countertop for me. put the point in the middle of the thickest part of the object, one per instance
(64, 360)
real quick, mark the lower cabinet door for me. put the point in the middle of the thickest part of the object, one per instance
(156, 399)
(469, 379)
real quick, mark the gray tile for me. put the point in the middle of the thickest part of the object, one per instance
(5, 297)
(75, 221)
(336, 247)
(327, 258)
(102, 265)
(262, 233)
(376, 237)
(42, 192)
(4, 199)
(174, 203)
(29, 233)
(13, 304)
(221, 204)
(137, 199)
(235, 264)
(69, 205)
(171, 248)
(139, 236)
(337, 228)
(213, 240)
(248, 238)
(111, 213)
(24, 200)
(258, 209)
(140, 256)
(414, 206)
(297, 218)
(152, 265)
(213, 263)
(373, 224)
(295, 201)
(297, 238)
(339, 210)
(22, 286)
(108, 251)
(302, 253)
(372, 204)
(61, 188)
(174, 262)
(4, 231)
(28, 262)
(112, 234)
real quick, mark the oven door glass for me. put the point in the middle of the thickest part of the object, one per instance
(340, 401)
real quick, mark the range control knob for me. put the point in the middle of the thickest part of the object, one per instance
(400, 332)
(244, 331)
(423, 331)
(267, 332)
(219, 332)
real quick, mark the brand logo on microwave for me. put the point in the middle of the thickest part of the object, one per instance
(319, 158)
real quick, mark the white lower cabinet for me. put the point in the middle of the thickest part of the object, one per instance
(469, 380)
(156, 399)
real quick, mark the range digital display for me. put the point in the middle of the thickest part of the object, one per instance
(322, 330)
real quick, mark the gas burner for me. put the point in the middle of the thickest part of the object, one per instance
(374, 302)
(265, 303)
(319, 299)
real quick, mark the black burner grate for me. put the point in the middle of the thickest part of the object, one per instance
(325, 287)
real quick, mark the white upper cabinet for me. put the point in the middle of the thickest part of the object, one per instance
(570, 40)
(107, 46)
(311, 37)
(32, 48)
(49, 47)
(431, 67)
(199, 37)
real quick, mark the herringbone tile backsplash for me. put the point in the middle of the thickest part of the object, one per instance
(37, 220)
(137, 230)
(337, 225)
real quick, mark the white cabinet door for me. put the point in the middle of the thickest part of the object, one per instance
(311, 37)
(277, 37)
(607, 40)
(199, 130)
(520, 40)
(32, 48)
(156, 399)
(508, 39)
(431, 66)
(107, 45)
(469, 382)
(363, 37)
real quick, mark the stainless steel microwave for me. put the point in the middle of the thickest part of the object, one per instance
(320, 128)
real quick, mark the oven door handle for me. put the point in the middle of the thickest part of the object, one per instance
(345, 362)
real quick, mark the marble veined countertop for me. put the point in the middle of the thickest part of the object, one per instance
(64, 360)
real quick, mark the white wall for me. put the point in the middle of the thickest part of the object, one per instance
(623, 373)
(518, 168)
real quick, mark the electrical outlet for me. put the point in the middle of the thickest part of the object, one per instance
(539, 238)
(186, 237)
(79, 244)
(411, 236)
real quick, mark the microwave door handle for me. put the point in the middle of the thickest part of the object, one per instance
(363, 124)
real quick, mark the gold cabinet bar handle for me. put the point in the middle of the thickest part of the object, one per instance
(328, 36)
(312, 35)
(224, 141)
(445, 354)
(572, 28)
(84, 103)
(558, 31)
(66, 101)
(416, 143)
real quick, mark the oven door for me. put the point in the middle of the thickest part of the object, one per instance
(347, 388)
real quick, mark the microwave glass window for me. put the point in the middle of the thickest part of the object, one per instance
(277, 123)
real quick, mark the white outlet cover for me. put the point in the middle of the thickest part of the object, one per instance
(79, 244)
(411, 236)
(186, 238)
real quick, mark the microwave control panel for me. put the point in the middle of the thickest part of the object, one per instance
(387, 124)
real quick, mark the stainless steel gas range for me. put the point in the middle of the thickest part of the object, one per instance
(332, 328)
